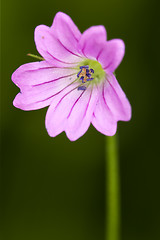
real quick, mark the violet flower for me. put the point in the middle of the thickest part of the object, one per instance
(55, 81)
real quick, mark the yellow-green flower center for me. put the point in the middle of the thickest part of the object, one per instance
(98, 74)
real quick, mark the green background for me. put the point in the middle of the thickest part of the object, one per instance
(52, 188)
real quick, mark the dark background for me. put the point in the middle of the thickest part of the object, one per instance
(53, 188)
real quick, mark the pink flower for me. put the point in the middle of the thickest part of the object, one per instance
(75, 79)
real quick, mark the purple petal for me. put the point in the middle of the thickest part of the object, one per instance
(59, 110)
(116, 99)
(51, 48)
(70, 111)
(80, 115)
(40, 96)
(103, 119)
(112, 106)
(112, 54)
(39, 83)
(92, 41)
(66, 31)
(38, 73)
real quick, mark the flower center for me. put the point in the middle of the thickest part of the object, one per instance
(90, 72)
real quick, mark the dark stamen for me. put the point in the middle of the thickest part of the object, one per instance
(90, 79)
(82, 88)
(84, 75)
(84, 67)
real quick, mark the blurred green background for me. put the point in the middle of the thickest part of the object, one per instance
(52, 188)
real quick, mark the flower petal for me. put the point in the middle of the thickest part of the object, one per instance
(40, 96)
(112, 54)
(51, 48)
(66, 31)
(80, 115)
(38, 73)
(67, 113)
(112, 106)
(59, 110)
(39, 83)
(92, 41)
(116, 99)
(103, 119)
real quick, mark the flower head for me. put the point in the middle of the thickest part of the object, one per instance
(75, 79)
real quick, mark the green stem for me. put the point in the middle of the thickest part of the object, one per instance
(112, 190)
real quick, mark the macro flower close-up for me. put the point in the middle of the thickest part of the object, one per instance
(75, 78)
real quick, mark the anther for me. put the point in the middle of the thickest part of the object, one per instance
(84, 67)
(82, 88)
(90, 79)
